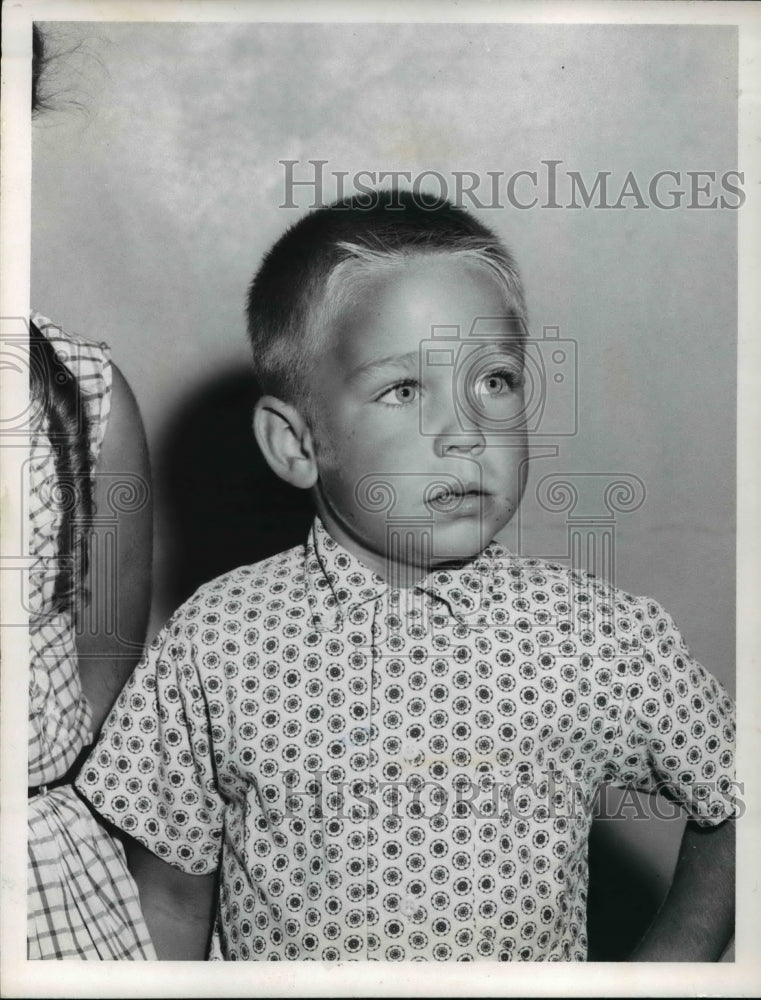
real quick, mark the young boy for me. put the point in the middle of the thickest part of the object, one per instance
(384, 744)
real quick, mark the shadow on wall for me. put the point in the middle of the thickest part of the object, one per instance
(221, 502)
(224, 508)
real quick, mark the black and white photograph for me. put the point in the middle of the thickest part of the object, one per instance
(379, 498)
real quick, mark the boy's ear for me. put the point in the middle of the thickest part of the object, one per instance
(285, 441)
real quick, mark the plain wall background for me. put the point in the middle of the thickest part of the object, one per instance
(154, 201)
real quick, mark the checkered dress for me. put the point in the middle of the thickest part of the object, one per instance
(82, 901)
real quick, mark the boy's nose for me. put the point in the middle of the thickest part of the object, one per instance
(469, 442)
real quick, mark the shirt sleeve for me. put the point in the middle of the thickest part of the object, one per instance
(152, 772)
(678, 723)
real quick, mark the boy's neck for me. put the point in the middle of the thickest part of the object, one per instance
(397, 574)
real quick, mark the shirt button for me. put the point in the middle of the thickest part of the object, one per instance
(410, 907)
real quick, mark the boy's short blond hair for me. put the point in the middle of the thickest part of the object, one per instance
(307, 276)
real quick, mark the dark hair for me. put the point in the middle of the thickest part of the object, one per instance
(38, 64)
(54, 390)
(292, 294)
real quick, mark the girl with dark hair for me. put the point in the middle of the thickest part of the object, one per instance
(89, 536)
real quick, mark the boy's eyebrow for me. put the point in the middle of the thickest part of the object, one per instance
(512, 345)
(409, 361)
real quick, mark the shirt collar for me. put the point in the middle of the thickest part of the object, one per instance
(337, 582)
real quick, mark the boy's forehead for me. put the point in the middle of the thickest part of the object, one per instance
(427, 296)
(507, 327)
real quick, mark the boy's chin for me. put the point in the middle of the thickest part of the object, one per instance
(460, 541)
(439, 550)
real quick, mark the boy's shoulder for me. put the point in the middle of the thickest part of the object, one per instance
(251, 583)
(538, 574)
(547, 593)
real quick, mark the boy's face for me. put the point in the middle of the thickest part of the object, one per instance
(421, 446)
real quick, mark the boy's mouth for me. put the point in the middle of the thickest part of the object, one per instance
(451, 497)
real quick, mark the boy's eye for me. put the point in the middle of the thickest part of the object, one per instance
(500, 382)
(400, 394)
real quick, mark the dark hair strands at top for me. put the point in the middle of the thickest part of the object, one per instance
(43, 62)
(61, 59)
(38, 65)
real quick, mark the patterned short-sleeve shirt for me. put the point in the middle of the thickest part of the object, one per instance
(402, 775)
